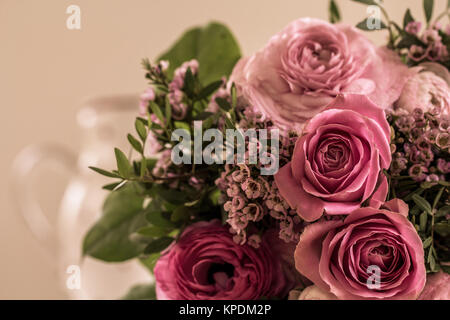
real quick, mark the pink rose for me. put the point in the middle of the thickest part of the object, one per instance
(206, 263)
(437, 287)
(340, 256)
(310, 62)
(427, 90)
(311, 293)
(336, 165)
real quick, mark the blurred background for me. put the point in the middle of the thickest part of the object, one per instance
(47, 72)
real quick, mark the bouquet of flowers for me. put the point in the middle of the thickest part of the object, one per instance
(316, 168)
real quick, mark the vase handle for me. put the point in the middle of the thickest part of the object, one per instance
(24, 196)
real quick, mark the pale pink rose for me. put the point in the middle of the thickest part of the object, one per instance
(336, 254)
(310, 62)
(311, 293)
(437, 287)
(336, 164)
(427, 90)
(205, 263)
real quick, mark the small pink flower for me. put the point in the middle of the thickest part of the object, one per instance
(413, 27)
(254, 241)
(431, 36)
(146, 96)
(417, 53)
(252, 188)
(164, 65)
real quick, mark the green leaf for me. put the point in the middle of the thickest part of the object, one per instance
(431, 260)
(203, 115)
(442, 228)
(154, 215)
(135, 143)
(150, 261)
(364, 25)
(223, 104)
(214, 196)
(428, 241)
(443, 211)
(141, 292)
(123, 165)
(209, 89)
(181, 213)
(422, 203)
(111, 186)
(170, 195)
(446, 269)
(333, 12)
(105, 173)
(368, 2)
(143, 167)
(407, 18)
(157, 111)
(152, 231)
(189, 83)
(158, 245)
(213, 46)
(408, 40)
(438, 197)
(428, 9)
(140, 129)
(182, 125)
(168, 110)
(423, 221)
(122, 215)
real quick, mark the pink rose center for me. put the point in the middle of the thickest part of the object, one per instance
(219, 275)
(317, 62)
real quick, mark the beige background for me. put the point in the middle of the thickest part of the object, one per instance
(46, 69)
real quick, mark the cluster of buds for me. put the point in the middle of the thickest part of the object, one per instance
(433, 48)
(420, 144)
(251, 199)
(176, 94)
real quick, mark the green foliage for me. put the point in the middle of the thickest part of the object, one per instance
(364, 25)
(157, 245)
(123, 165)
(407, 18)
(333, 12)
(141, 292)
(209, 45)
(428, 9)
(367, 2)
(122, 215)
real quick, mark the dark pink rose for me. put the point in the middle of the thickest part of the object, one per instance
(340, 256)
(336, 164)
(310, 62)
(437, 287)
(206, 263)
